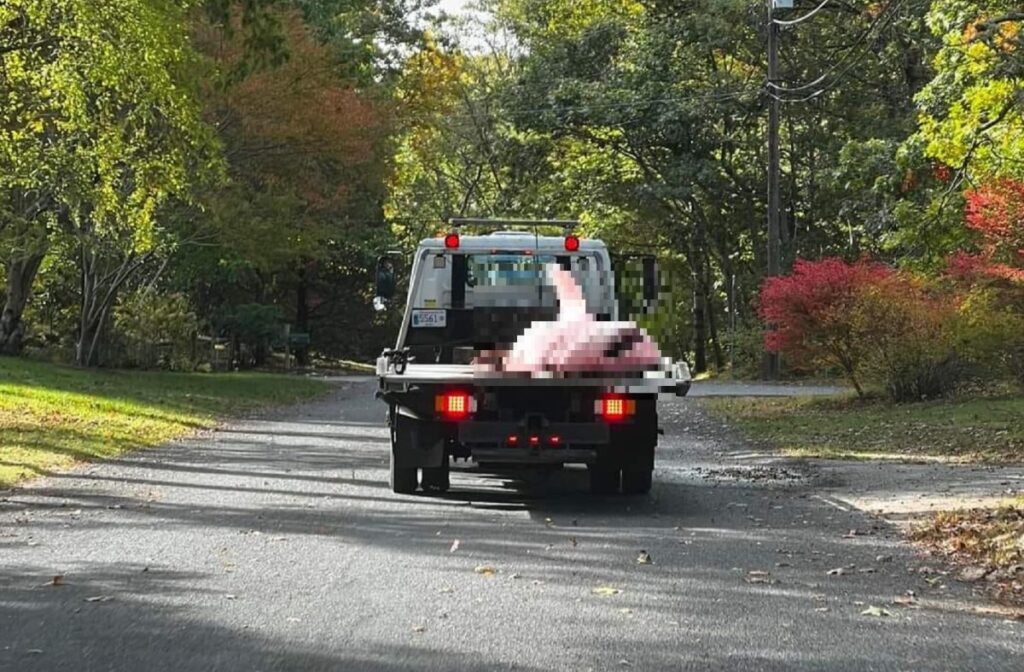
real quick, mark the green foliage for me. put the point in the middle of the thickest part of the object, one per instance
(972, 117)
(159, 330)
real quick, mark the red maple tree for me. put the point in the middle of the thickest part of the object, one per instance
(996, 212)
(813, 313)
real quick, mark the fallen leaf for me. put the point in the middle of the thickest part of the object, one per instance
(485, 570)
(880, 612)
(57, 580)
(34, 652)
(904, 600)
(99, 598)
(572, 540)
(605, 591)
(419, 628)
(455, 546)
(644, 558)
(446, 589)
(230, 597)
(758, 576)
(972, 574)
(838, 571)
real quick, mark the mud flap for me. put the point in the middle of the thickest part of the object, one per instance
(417, 442)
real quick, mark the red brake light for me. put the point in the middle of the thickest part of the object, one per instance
(513, 440)
(572, 243)
(615, 408)
(555, 440)
(451, 241)
(454, 405)
(534, 440)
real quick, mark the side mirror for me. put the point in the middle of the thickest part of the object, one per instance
(385, 282)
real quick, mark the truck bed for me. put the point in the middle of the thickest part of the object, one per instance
(455, 374)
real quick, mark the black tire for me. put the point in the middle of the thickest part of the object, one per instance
(436, 479)
(636, 479)
(604, 479)
(403, 479)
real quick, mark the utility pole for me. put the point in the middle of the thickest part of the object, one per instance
(771, 360)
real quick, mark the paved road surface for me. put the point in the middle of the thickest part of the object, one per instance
(276, 545)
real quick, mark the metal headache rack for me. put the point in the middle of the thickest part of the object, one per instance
(495, 224)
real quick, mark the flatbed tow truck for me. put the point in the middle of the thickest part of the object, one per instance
(470, 301)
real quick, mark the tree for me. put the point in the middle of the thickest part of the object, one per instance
(101, 128)
(972, 112)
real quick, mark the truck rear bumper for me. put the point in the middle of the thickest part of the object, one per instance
(507, 455)
(570, 434)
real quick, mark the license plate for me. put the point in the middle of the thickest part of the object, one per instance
(430, 318)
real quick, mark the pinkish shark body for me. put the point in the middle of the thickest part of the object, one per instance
(578, 343)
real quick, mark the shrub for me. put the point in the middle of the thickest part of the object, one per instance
(991, 333)
(875, 324)
(912, 345)
(813, 316)
(158, 330)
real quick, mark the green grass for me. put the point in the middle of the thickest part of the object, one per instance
(984, 429)
(53, 416)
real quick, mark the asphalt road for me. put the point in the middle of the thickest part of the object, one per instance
(275, 544)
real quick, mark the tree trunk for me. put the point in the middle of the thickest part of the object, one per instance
(21, 274)
(302, 317)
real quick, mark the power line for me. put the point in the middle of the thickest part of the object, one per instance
(803, 18)
(852, 60)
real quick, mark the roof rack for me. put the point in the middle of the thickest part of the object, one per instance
(566, 225)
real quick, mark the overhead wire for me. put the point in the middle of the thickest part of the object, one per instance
(803, 18)
(852, 60)
(850, 51)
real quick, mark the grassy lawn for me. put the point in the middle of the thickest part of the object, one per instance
(987, 429)
(53, 416)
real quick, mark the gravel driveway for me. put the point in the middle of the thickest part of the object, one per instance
(275, 544)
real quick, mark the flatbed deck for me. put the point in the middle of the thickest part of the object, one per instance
(466, 374)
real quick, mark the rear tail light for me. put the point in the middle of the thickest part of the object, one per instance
(512, 440)
(534, 440)
(572, 243)
(451, 241)
(454, 405)
(555, 440)
(615, 408)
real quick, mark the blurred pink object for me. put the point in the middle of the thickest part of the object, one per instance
(576, 342)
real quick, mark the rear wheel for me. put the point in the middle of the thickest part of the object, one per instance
(638, 471)
(636, 479)
(402, 479)
(436, 479)
(604, 479)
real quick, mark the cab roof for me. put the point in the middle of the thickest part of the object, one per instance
(513, 240)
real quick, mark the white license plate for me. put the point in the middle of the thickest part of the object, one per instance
(430, 318)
